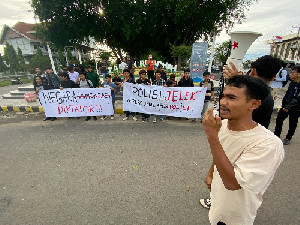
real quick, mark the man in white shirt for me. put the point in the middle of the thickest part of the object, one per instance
(73, 75)
(245, 154)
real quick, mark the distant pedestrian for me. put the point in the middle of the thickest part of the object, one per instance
(103, 66)
(123, 64)
(290, 107)
(150, 67)
(130, 65)
(277, 83)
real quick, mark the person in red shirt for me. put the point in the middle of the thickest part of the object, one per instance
(150, 68)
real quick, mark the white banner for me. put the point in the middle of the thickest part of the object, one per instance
(170, 101)
(77, 102)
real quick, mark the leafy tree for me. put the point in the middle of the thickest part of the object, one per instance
(69, 56)
(39, 60)
(11, 58)
(222, 52)
(181, 54)
(135, 26)
(21, 61)
(3, 67)
(62, 58)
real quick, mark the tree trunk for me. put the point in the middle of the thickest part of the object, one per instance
(179, 63)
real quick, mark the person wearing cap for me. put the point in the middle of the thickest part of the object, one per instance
(92, 76)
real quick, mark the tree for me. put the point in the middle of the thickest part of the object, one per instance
(10, 57)
(21, 61)
(181, 54)
(62, 58)
(3, 67)
(39, 60)
(69, 56)
(135, 26)
(222, 52)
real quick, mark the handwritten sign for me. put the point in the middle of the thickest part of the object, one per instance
(77, 102)
(159, 100)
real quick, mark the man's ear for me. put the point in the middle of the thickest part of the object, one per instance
(255, 103)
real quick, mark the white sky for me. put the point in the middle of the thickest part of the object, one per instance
(269, 17)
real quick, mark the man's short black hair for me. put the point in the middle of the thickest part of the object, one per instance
(48, 68)
(206, 73)
(64, 74)
(109, 76)
(267, 67)
(297, 68)
(255, 88)
(159, 66)
(142, 71)
(126, 70)
(158, 71)
(70, 68)
(186, 70)
(83, 72)
(172, 76)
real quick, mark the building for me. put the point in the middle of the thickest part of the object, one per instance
(286, 49)
(22, 35)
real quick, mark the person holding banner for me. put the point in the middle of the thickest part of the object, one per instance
(51, 81)
(159, 82)
(108, 84)
(245, 154)
(127, 79)
(143, 81)
(186, 81)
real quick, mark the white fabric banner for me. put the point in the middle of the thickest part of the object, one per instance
(77, 102)
(170, 101)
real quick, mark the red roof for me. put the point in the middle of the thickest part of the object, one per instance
(26, 29)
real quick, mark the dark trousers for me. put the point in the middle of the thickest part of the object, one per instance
(127, 113)
(150, 74)
(293, 121)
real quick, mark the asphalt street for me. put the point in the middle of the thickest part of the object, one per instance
(71, 171)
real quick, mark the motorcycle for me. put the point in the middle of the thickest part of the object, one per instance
(16, 81)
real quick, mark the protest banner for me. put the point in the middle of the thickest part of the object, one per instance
(77, 102)
(170, 101)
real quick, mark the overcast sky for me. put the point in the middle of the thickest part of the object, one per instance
(269, 17)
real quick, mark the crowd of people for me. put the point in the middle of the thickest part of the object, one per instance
(245, 153)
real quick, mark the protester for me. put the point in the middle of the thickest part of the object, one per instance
(144, 81)
(92, 76)
(290, 107)
(162, 72)
(73, 75)
(238, 144)
(117, 81)
(172, 82)
(108, 84)
(130, 65)
(123, 65)
(150, 68)
(39, 73)
(103, 66)
(127, 79)
(51, 81)
(65, 81)
(84, 83)
(186, 81)
(265, 68)
(38, 84)
(159, 82)
(209, 85)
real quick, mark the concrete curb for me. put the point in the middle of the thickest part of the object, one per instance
(40, 109)
(36, 109)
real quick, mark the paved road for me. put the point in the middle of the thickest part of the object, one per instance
(119, 172)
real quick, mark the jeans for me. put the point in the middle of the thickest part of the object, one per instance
(293, 121)
(127, 113)
(161, 116)
(144, 116)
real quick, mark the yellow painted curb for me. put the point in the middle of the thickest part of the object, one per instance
(41, 109)
(4, 108)
(16, 109)
(119, 111)
(28, 109)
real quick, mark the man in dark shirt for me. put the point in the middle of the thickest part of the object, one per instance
(172, 82)
(144, 81)
(92, 76)
(186, 81)
(103, 66)
(162, 72)
(65, 81)
(290, 107)
(130, 65)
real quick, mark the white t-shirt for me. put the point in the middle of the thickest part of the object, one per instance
(255, 155)
(277, 83)
(74, 76)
